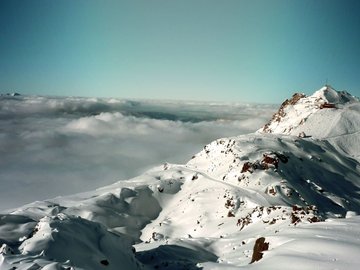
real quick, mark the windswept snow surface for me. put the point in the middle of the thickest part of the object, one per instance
(300, 194)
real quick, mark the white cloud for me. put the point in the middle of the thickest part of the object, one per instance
(59, 146)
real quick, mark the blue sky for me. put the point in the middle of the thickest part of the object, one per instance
(233, 50)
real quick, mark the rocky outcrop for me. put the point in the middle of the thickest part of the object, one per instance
(259, 247)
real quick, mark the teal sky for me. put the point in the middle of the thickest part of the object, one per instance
(232, 50)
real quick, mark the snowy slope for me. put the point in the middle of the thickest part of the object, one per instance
(327, 114)
(295, 199)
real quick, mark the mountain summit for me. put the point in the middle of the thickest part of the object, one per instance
(327, 114)
(269, 200)
(294, 112)
(329, 95)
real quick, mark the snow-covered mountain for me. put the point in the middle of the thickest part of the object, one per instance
(286, 196)
(327, 114)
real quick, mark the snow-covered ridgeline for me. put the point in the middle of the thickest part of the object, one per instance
(299, 194)
(327, 115)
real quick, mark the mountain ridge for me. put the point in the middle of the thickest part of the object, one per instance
(299, 194)
(326, 115)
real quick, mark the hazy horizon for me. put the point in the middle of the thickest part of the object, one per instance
(245, 51)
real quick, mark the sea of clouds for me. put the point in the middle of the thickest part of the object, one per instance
(54, 146)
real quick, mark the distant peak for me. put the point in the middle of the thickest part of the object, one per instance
(11, 94)
(295, 111)
(328, 94)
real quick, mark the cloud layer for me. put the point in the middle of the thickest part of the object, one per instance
(59, 146)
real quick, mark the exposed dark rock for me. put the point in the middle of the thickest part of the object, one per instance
(269, 160)
(104, 262)
(327, 106)
(259, 247)
(247, 167)
(281, 112)
(230, 214)
(195, 176)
